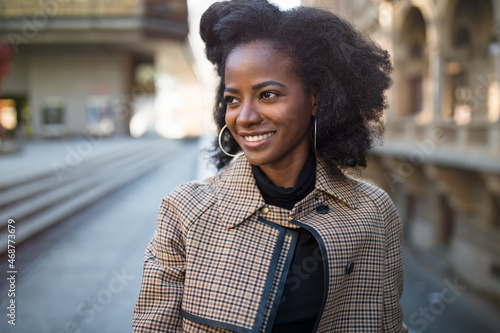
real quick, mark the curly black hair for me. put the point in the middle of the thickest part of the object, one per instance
(348, 70)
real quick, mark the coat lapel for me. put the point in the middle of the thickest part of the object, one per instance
(335, 184)
(238, 197)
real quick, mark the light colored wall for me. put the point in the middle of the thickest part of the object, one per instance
(75, 77)
(17, 81)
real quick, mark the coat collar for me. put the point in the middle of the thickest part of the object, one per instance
(238, 196)
(335, 183)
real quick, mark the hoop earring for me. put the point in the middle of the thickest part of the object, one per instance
(220, 143)
(315, 128)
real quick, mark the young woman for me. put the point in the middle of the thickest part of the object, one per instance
(281, 240)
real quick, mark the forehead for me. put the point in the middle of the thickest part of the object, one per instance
(259, 58)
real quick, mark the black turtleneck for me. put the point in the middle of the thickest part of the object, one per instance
(303, 292)
(287, 197)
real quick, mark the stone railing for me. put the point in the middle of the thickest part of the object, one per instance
(479, 136)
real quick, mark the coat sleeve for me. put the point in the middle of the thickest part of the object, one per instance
(159, 303)
(393, 284)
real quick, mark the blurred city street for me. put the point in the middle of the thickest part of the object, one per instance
(440, 303)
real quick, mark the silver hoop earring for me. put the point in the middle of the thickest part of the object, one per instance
(220, 144)
(315, 127)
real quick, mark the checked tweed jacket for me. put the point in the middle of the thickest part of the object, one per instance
(219, 258)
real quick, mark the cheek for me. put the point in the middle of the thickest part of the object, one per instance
(297, 122)
(284, 114)
(230, 119)
(295, 116)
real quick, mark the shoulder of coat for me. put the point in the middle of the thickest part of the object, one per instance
(192, 198)
(369, 191)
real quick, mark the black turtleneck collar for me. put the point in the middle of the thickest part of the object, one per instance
(287, 197)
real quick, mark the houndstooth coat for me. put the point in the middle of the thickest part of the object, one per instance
(219, 258)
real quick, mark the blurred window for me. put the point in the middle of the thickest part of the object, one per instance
(416, 94)
(144, 77)
(462, 38)
(417, 51)
(53, 111)
(412, 63)
(467, 52)
(53, 115)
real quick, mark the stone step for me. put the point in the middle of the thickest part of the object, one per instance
(42, 159)
(93, 175)
(36, 214)
(52, 179)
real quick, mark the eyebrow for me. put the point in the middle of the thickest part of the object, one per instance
(267, 83)
(257, 86)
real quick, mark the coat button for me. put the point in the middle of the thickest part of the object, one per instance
(322, 209)
(349, 268)
(264, 210)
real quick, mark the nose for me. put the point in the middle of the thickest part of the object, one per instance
(249, 115)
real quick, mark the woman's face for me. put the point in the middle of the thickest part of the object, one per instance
(268, 109)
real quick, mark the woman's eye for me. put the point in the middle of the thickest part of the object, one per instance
(230, 100)
(268, 95)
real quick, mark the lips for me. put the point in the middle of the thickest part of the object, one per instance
(257, 138)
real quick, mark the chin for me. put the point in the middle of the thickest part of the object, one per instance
(259, 160)
(255, 159)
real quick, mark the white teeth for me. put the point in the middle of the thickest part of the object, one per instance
(258, 137)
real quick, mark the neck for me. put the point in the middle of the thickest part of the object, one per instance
(286, 175)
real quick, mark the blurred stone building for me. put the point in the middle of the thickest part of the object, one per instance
(100, 67)
(440, 161)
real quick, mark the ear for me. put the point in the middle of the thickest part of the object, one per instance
(314, 98)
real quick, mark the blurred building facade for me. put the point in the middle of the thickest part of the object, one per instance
(440, 161)
(100, 67)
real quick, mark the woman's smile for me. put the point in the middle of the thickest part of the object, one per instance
(255, 138)
(254, 141)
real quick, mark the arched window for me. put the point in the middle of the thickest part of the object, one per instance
(467, 70)
(412, 64)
